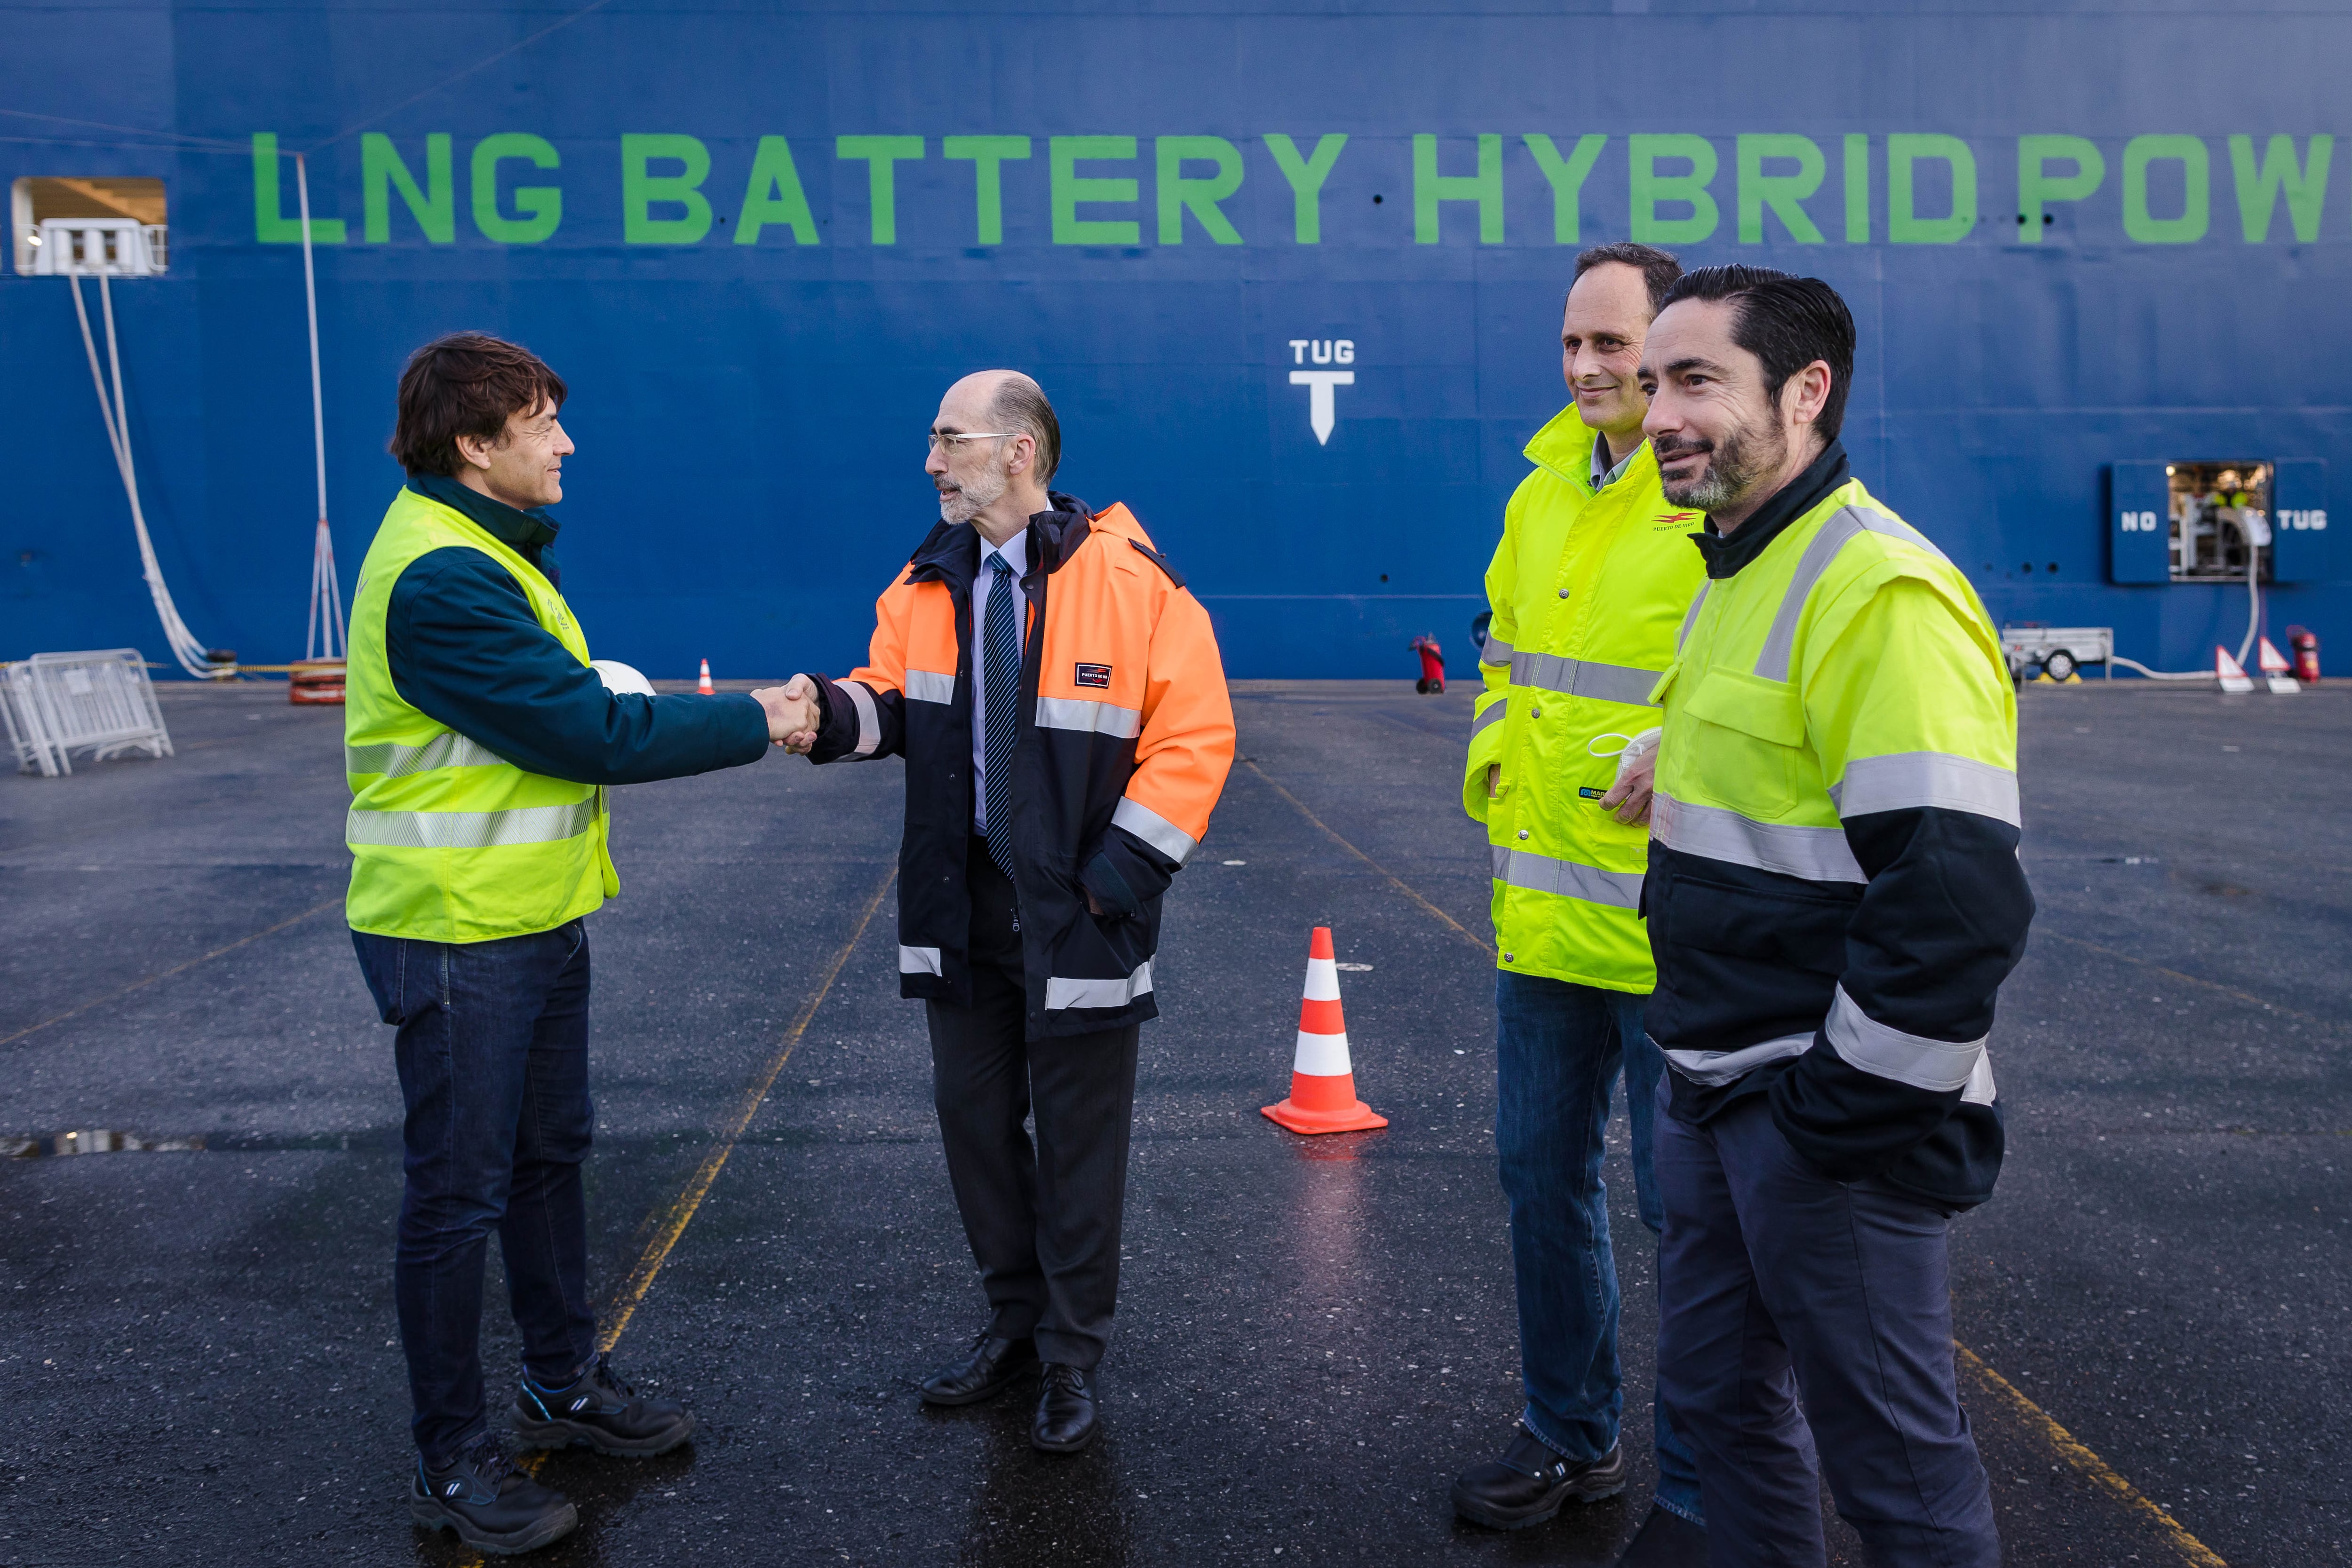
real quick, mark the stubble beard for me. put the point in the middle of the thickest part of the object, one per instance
(974, 496)
(1736, 466)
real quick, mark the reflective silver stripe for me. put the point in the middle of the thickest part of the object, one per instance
(1077, 713)
(1909, 779)
(1938, 1066)
(449, 749)
(869, 726)
(1712, 1069)
(1848, 524)
(1583, 678)
(931, 686)
(1491, 714)
(1061, 994)
(469, 829)
(1690, 618)
(920, 961)
(1154, 830)
(1817, 854)
(1981, 1090)
(1496, 651)
(1542, 873)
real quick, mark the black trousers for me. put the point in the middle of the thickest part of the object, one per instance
(1043, 1218)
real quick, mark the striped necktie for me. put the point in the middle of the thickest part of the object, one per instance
(1001, 669)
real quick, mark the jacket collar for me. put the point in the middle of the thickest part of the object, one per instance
(951, 551)
(1564, 447)
(1725, 555)
(518, 529)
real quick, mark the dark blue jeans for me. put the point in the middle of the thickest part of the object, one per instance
(1559, 1049)
(493, 1056)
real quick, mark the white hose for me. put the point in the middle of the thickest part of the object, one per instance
(322, 634)
(2253, 626)
(191, 653)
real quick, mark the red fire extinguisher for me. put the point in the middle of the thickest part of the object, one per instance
(1433, 664)
(2307, 653)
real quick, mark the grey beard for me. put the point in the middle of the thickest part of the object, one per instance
(1733, 469)
(975, 496)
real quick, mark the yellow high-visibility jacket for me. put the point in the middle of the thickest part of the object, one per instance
(1587, 590)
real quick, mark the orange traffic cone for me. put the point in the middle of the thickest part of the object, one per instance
(1323, 1081)
(703, 686)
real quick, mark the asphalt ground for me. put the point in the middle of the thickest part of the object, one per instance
(196, 1350)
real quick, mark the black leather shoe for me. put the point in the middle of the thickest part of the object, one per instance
(492, 1506)
(1528, 1484)
(1665, 1540)
(986, 1370)
(598, 1409)
(1066, 1411)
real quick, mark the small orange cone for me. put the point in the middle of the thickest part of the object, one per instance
(703, 686)
(1323, 1081)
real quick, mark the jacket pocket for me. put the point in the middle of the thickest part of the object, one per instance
(1744, 741)
(1785, 929)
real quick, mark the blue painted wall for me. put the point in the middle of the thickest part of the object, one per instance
(748, 415)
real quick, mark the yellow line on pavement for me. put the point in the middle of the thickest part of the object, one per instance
(673, 1221)
(2191, 1549)
(2069, 1448)
(334, 902)
(1395, 881)
(2186, 979)
(670, 1222)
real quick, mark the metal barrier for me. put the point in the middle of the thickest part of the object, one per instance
(100, 703)
(119, 247)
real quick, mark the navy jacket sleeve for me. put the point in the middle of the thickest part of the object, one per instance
(464, 648)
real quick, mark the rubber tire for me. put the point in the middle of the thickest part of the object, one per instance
(2059, 664)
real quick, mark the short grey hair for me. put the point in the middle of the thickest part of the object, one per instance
(1019, 408)
(1660, 270)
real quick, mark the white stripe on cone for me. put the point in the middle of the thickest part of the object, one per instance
(1322, 980)
(1323, 1055)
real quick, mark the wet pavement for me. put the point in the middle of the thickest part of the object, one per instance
(1316, 1335)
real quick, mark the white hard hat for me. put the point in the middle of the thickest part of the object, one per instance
(620, 677)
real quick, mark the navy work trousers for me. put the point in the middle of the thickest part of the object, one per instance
(1559, 1047)
(493, 1059)
(1778, 1284)
(1043, 1218)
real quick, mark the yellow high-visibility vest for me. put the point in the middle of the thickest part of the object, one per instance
(449, 841)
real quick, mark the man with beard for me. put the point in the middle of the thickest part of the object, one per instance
(1060, 700)
(1587, 585)
(1834, 899)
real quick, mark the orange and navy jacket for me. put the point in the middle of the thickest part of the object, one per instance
(1126, 736)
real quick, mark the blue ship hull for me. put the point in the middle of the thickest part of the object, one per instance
(760, 240)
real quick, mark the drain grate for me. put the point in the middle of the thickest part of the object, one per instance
(95, 1141)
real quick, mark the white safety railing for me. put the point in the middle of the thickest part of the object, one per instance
(105, 247)
(100, 703)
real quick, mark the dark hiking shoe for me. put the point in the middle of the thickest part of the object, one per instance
(1665, 1540)
(1528, 1484)
(492, 1506)
(600, 1410)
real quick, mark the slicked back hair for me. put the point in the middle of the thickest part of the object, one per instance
(465, 384)
(1020, 407)
(1787, 323)
(1659, 268)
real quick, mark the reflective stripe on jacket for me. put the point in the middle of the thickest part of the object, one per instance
(1126, 735)
(1587, 592)
(449, 841)
(1834, 892)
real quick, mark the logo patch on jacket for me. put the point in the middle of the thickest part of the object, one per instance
(1093, 675)
(1675, 519)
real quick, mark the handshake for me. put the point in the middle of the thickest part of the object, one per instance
(793, 713)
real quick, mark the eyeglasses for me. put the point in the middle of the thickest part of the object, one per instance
(950, 439)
